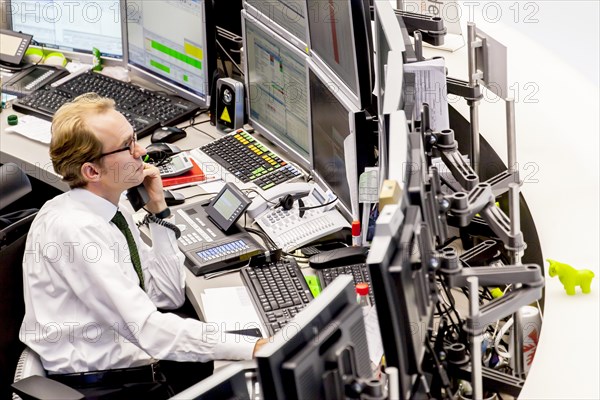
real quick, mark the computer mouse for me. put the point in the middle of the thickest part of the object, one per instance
(167, 134)
(339, 257)
(173, 198)
(159, 151)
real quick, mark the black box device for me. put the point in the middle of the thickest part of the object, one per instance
(227, 207)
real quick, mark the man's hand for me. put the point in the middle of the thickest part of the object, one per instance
(153, 184)
(259, 343)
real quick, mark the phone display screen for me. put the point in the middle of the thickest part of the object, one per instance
(225, 209)
(227, 204)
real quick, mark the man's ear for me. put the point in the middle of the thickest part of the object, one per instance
(91, 172)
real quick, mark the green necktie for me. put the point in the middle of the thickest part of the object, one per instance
(121, 223)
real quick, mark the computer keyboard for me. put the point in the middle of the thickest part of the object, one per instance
(249, 160)
(360, 273)
(144, 109)
(278, 290)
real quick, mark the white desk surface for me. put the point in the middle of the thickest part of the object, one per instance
(557, 125)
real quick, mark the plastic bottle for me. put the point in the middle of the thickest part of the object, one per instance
(356, 237)
(362, 295)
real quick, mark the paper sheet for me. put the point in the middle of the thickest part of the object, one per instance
(430, 88)
(33, 128)
(373, 336)
(368, 186)
(231, 308)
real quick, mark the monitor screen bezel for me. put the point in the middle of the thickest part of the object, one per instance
(354, 114)
(338, 295)
(392, 100)
(302, 160)
(165, 83)
(387, 24)
(70, 53)
(363, 68)
(302, 45)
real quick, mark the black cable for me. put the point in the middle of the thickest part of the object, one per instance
(199, 194)
(193, 118)
(206, 133)
(451, 299)
(151, 218)
(196, 123)
(449, 316)
(319, 206)
(260, 195)
(268, 241)
(230, 58)
(440, 369)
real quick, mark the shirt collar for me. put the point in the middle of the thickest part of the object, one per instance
(96, 204)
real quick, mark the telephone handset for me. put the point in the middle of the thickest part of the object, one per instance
(138, 196)
(280, 196)
(291, 227)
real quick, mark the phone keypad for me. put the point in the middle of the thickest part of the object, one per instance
(32, 85)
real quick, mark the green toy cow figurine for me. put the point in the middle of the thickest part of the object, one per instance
(571, 277)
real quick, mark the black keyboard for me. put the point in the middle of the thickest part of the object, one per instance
(278, 290)
(145, 110)
(249, 160)
(360, 273)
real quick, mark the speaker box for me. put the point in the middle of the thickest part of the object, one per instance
(230, 105)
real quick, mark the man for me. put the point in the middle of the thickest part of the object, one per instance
(92, 287)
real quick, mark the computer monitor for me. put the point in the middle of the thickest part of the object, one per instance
(402, 289)
(325, 341)
(335, 123)
(397, 128)
(416, 170)
(172, 44)
(341, 44)
(339, 128)
(389, 75)
(391, 98)
(227, 383)
(71, 26)
(277, 85)
(287, 18)
(387, 38)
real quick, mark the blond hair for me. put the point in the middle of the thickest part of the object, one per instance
(73, 142)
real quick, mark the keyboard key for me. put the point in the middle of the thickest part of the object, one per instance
(249, 160)
(285, 294)
(143, 109)
(359, 272)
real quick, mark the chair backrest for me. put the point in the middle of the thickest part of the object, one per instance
(29, 364)
(12, 247)
(14, 183)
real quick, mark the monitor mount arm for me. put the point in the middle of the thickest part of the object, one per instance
(443, 144)
(527, 281)
(432, 29)
(465, 206)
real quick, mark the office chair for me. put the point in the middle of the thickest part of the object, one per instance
(14, 184)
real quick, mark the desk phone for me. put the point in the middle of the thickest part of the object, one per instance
(33, 78)
(206, 247)
(289, 230)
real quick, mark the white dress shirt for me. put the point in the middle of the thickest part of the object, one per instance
(84, 307)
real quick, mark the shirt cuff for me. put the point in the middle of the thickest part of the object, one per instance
(234, 347)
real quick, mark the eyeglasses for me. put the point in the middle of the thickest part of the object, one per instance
(130, 147)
